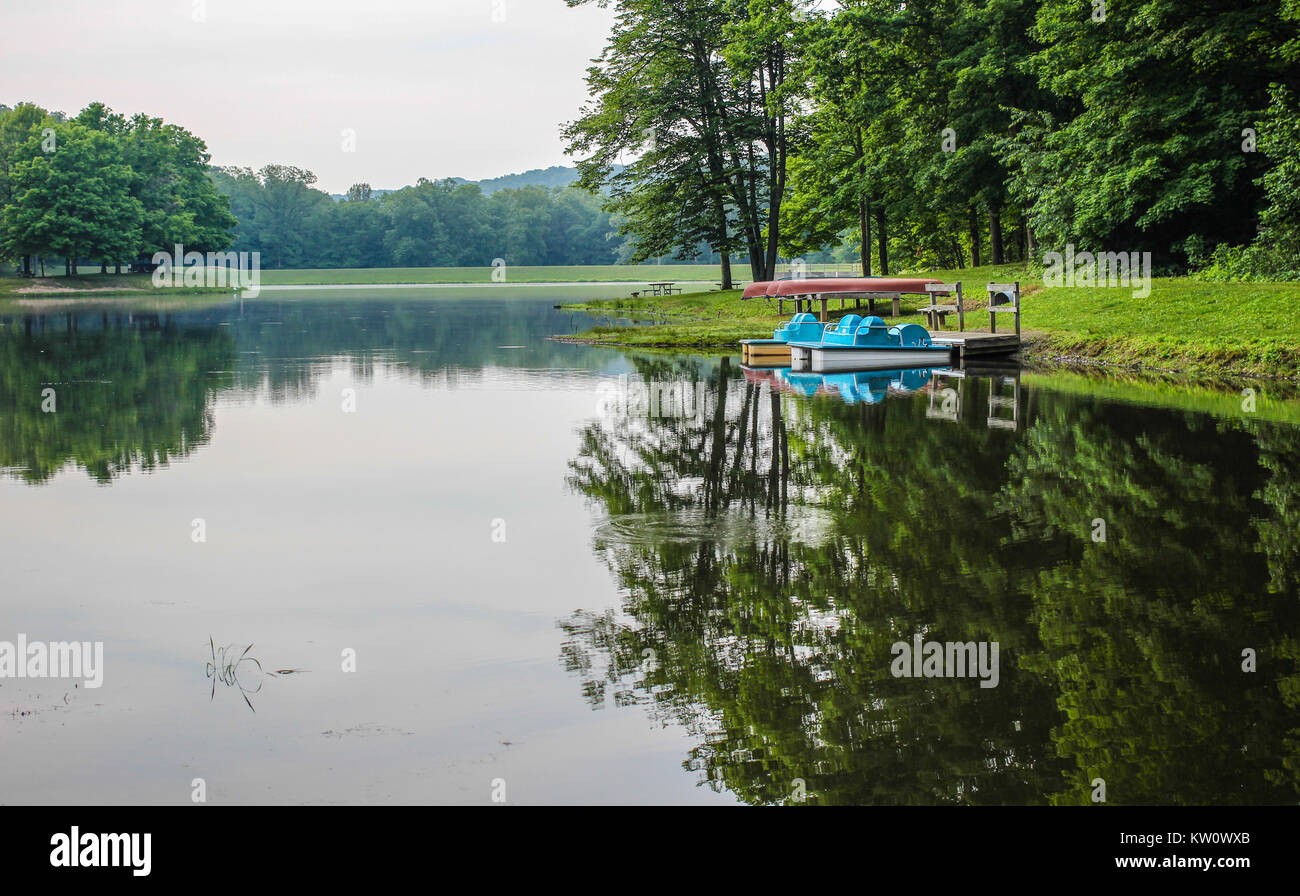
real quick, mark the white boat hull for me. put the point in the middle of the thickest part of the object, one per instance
(839, 358)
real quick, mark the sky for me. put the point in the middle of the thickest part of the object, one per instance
(375, 91)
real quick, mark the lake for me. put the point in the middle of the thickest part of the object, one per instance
(403, 547)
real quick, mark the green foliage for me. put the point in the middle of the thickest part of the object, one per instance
(1150, 148)
(953, 132)
(444, 223)
(104, 187)
(703, 93)
(72, 200)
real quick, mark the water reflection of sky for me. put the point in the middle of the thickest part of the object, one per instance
(327, 531)
(765, 548)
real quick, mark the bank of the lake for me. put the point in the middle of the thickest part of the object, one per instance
(1183, 325)
(575, 273)
(89, 281)
(82, 285)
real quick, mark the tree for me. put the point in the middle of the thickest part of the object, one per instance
(284, 202)
(74, 199)
(16, 128)
(1148, 148)
(702, 91)
(181, 204)
(358, 193)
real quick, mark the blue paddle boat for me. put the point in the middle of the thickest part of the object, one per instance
(863, 343)
(803, 327)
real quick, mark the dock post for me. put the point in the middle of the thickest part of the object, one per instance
(1010, 291)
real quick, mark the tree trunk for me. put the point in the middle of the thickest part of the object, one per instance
(67, 266)
(724, 256)
(864, 221)
(974, 238)
(1031, 241)
(995, 236)
(882, 240)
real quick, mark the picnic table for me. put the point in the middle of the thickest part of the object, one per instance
(664, 288)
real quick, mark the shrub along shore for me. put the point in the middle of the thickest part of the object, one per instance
(1184, 325)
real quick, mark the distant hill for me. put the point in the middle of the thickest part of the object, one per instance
(555, 176)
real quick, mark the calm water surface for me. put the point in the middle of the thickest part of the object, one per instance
(602, 593)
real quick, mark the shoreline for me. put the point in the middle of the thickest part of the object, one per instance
(1187, 327)
(1036, 353)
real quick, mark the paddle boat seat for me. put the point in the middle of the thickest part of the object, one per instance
(802, 327)
(843, 332)
(872, 332)
(911, 335)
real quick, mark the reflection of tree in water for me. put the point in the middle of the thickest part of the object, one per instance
(131, 391)
(1279, 448)
(287, 347)
(774, 652)
(1143, 634)
(135, 390)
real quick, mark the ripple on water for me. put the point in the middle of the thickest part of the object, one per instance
(803, 525)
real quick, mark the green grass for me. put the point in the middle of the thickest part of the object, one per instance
(514, 274)
(1184, 325)
(88, 279)
(713, 319)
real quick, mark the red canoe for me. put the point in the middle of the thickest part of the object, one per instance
(822, 286)
(828, 285)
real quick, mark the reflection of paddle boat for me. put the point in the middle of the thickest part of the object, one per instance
(776, 351)
(865, 386)
(858, 343)
(805, 384)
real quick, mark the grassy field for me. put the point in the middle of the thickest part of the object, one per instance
(88, 279)
(88, 282)
(606, 273)
(1183, 325)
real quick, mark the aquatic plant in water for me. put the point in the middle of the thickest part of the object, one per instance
(224, 666)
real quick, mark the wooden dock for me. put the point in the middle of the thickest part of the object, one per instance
(966, 347)
(972, 344)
